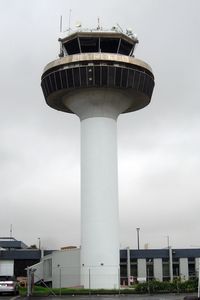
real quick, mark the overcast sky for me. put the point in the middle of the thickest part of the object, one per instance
(158, 147)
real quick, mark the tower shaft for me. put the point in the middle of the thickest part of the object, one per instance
(98, 110)
(99, 204)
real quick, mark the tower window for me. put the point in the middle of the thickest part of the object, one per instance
(89, 44)
(72, 47)
(125, 48)
(109, 45)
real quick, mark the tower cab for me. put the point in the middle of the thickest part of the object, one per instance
(98, 42)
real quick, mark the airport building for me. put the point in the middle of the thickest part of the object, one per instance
(61, 268)
(16, 256)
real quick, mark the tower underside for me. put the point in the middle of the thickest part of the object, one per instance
(97, 87)
(95, 70)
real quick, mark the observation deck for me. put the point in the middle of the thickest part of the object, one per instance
(97, 60)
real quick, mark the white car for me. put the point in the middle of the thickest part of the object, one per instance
(8, 284)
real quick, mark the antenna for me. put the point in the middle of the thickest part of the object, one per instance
(70, 11)
(120, 28)
(61, 29)
(11, 229)
(98, 23)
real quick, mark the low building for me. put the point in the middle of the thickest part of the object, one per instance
(62, 268)
(18, 256)
(151, 264)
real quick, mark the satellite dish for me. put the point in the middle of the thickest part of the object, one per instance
(78, 24)
(135, 37)
(129, 31)
(114, 28)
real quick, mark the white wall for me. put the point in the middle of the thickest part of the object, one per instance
(197, 260)
(157, 269)
(142, 271)
(184, 269)
(66, 268)
(7, 267)
(47, 268)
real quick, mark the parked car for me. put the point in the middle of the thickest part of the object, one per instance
(8, 284)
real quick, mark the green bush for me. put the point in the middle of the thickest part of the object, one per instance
(154, 286)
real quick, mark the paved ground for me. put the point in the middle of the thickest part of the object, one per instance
(8, 297)
(116, 297)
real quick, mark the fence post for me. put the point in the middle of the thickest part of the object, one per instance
(89, 282)
(119, 279)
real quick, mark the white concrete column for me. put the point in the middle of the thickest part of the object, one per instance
(128, 265)
(98, 110)
(197, 259)
(158, 270)
(99, 203)
(171, 264)
(184, 273)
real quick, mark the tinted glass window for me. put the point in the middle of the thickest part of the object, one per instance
(109, 45)
(89, 44)
(125, 47)
(72, 47)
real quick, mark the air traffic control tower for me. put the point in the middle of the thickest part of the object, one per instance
(98, 78)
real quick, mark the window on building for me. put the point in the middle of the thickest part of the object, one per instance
(191, 268)
(109, 45)
(123, 274)
(149, 269)
(176, 269)
(125, 48)
(72, 47)
(89, 44)
(134, 270)
(123, 270)
(165, 266)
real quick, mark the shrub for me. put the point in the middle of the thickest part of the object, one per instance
(166, 286)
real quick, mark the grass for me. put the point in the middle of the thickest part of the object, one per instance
(153, 287)
(42, 291)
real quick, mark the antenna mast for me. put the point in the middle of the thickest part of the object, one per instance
(61, 29)
(11, 229)
(70, 11)
(98, 23)
(120, 27)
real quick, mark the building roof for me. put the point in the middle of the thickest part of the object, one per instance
(22, 254)
(11, 243)
(160, 253)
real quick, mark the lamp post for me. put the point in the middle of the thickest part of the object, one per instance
(199, 280)
(128, 265)
(39, 243)
(138, 237)
(170, 259)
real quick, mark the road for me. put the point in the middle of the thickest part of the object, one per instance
(8, 297)
(116, 297)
